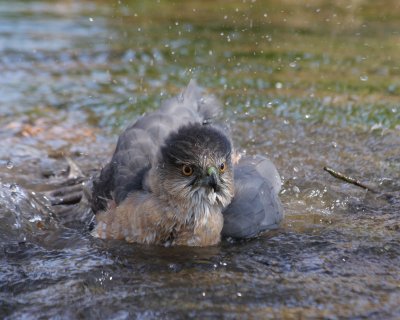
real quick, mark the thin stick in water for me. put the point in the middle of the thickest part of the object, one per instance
(348, 179)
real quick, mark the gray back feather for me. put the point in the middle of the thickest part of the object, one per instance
(138, 145)
(256, 206)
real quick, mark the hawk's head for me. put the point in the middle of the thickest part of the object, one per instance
(195, 167)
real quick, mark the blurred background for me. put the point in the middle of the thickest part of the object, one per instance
(307, 83)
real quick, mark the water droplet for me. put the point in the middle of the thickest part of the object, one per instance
(35, 218)
(364, 77)
(10, 164)
(14, 192)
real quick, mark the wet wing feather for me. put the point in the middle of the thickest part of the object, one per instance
(256, 206)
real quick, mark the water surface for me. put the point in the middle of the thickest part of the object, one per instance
(307, 84)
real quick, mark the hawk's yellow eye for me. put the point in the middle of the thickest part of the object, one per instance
(222, 167)
(187, 170)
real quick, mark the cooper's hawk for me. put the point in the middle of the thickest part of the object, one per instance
(174, 180)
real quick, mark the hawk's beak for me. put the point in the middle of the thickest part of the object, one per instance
(212, 178)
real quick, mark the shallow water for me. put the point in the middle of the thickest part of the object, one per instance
(309, 85)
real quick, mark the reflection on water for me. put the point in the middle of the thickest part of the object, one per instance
(309, 85)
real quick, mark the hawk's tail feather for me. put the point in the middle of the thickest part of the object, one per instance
(207, 105)
(203, 107)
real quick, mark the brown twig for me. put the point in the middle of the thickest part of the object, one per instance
(348, 179)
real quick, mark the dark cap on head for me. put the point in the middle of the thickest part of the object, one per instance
(193, 142)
